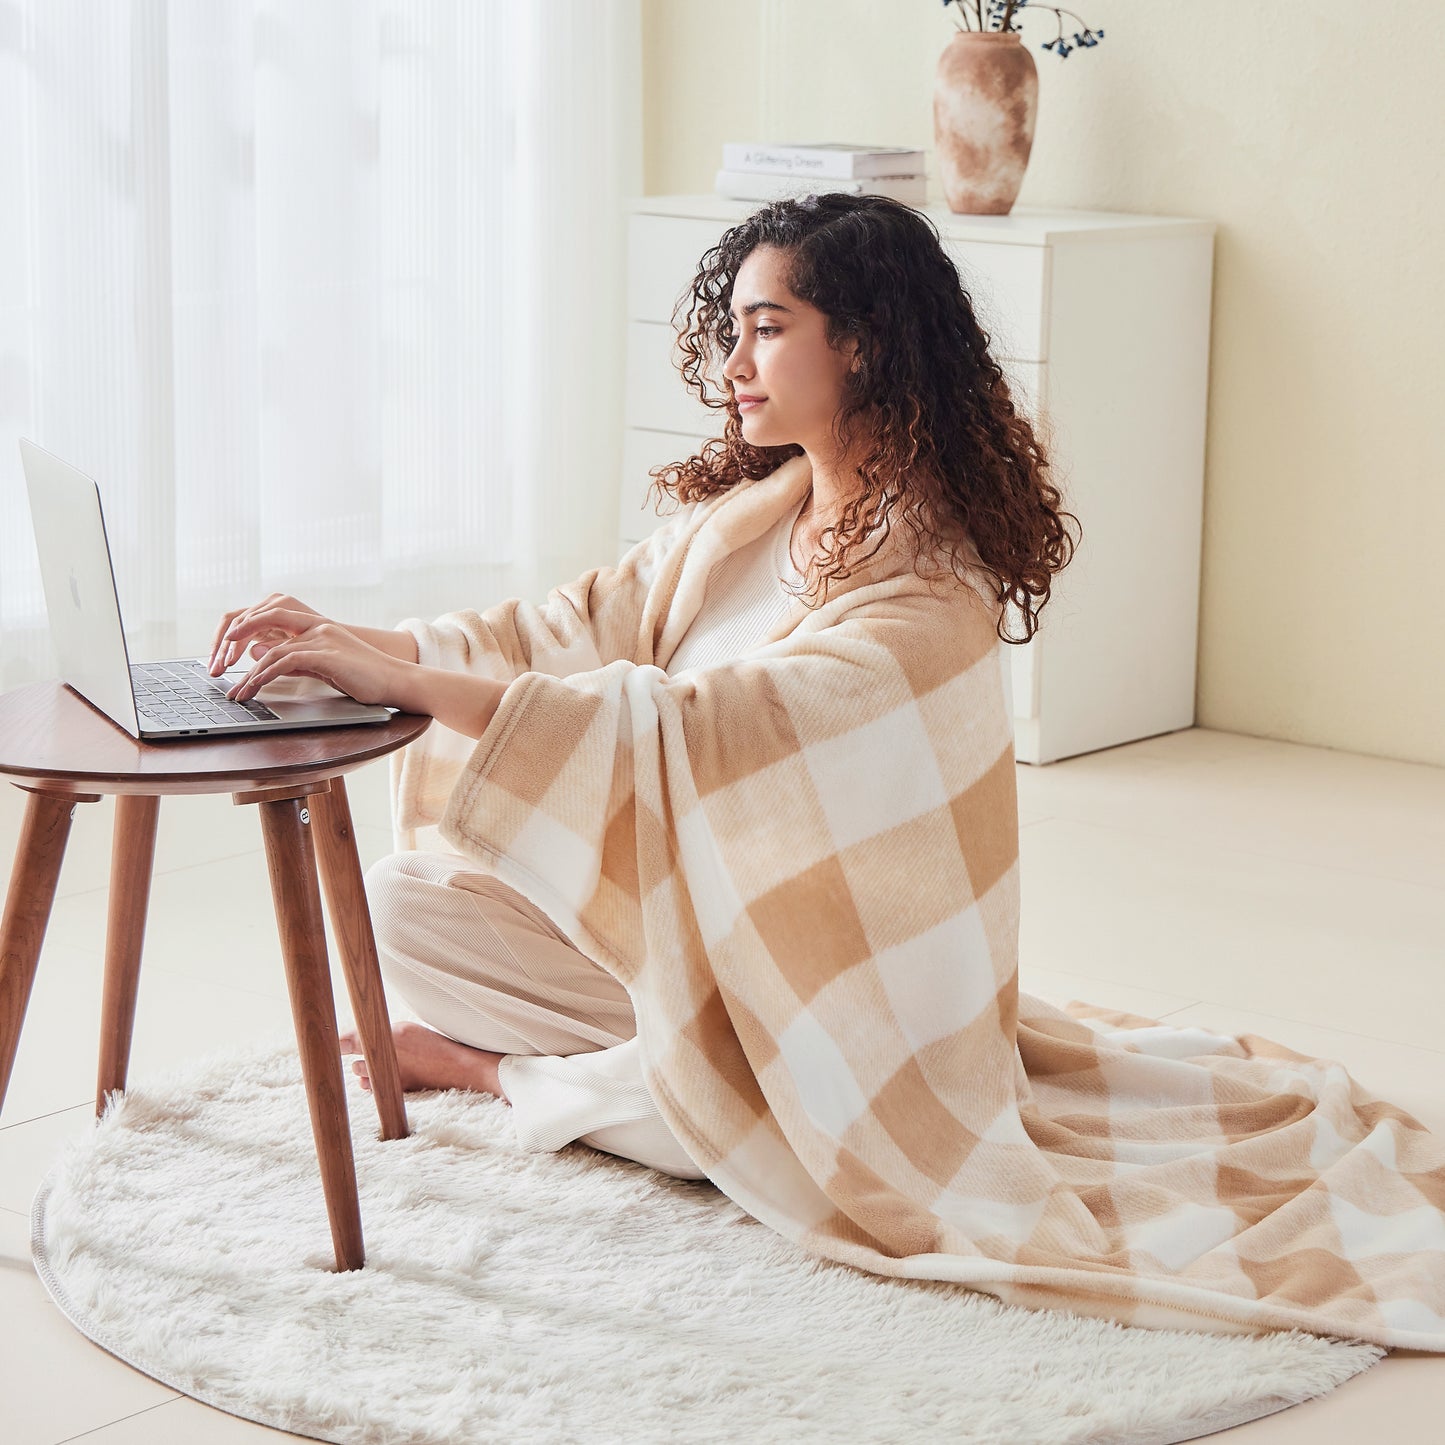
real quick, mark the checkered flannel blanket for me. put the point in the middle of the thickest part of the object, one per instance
(804, 867)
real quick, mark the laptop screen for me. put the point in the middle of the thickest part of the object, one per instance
(80, 595)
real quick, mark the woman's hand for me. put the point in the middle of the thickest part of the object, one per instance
(337, 655)
(280, 618)
(372, 664)
(327, 651)
(275, 619)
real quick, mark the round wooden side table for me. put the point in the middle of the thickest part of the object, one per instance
(63, 752)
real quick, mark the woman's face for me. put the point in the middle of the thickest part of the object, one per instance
(787, 381)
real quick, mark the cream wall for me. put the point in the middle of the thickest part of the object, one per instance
(1311, 139)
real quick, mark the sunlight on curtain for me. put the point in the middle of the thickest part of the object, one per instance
(326, 297)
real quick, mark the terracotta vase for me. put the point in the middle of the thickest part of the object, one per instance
(985, 101)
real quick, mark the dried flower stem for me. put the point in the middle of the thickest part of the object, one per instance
(1061, 13)
(976, 20)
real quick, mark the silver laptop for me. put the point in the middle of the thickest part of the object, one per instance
(151, 700)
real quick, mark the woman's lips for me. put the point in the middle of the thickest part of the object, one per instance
(747, 403)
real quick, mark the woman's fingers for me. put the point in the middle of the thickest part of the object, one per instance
(226, 623)
(265, 625)
(331, 653)
(229, 654)
(284, 613)
(274, 599)
(313, 653)
(283, 661)
(259, 641)
(223, 651)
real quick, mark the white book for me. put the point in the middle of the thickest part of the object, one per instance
(761, 186)
(822, 158)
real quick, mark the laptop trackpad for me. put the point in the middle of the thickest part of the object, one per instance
(307, 698)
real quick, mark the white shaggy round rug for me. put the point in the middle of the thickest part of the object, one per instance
(566, 1298)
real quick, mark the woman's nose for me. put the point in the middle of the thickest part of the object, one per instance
(736, 364)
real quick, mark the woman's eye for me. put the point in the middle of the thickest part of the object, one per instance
(731, 338)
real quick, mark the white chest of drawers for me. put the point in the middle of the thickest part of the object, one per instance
(1101, 323)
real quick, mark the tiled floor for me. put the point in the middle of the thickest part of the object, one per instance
(1247, 885)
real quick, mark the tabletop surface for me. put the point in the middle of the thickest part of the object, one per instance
(49, 735)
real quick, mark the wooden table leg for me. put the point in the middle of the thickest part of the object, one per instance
(351, 923)
(292, 865)
(33, 877)
(132, 855)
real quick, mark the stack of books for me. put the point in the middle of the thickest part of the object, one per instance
(776, 172)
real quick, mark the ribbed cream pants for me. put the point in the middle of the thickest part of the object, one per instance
(478, 962)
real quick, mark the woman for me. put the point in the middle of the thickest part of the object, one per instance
(733, 885)
(845, 341)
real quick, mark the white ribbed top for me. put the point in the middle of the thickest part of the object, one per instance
(747, 595)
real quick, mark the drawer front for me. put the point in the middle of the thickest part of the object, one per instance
(657, 397)
(662, 257)
(642, 450)
(1009, 287)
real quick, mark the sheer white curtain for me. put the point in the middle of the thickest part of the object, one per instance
(326, 296)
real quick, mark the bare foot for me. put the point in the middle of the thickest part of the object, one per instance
(429, 1060)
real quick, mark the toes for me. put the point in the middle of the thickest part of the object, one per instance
(349, 1042)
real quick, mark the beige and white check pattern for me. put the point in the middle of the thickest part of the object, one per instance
(804, 867)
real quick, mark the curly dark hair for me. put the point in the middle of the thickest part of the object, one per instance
(939, 441)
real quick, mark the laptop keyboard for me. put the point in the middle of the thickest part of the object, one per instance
(186, 696)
